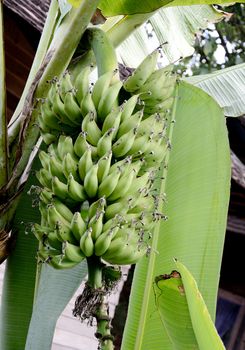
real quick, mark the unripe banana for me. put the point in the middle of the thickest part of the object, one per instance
(59, 109)
(72, 109)
(96, 223)
(122, 186)
(81, 145)
(52, 150)
(64, 232)
(76, 190)
(109, 100)
(65, 85)
(62, 209)
(49, 138)
(105, 143)
(103, 242)
(121, 147)
(54, 217)
(104, 164)
(85, 163)
(69, 166)
(44, 159)
(43, 126)
(96, 207)
(44, 214)
(112, 120)
(59, 188)
(91, 182)
(130, 123)
(101, 86)
(108, 185)
(139, 146)
(60, 262)
(141, 73)
(65, 145)
(87, 106)
(46, 196)
(78, 226)
(49, 118)
(87, 244)
(56, 168)
(44, 178)
(165, 105)
(117, 207)
(129, 107)
(40, 231)
(93, 133)
(73, 253)
(53, 241)
(82, 83)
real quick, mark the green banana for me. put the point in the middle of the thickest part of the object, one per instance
(78, 226)
(96, 207)
(73, 253)
(108, 185)
(44, 178)
(101, 86)
(65, 85)
(46, 196)
(122, 146)
(59, 188)
(50, 119)
(85, 163)
(76, 190)
(96, 223)
(62, 209)
(65, 145)
(105, 143)
(87, 244)
(87, 105)
(112, 120)
(59, 109)
(104, 164)
(56, 168)
(91, 181)
(69, 166)
(109, 100)
(82, 83)
(122, 186)
(44, 159)
(142, 72)
(89, 125)
(72, 109)
(103, 242)
(129, 107)
(130, 123)
(60, 262)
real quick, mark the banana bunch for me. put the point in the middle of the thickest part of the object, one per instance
(98, 172)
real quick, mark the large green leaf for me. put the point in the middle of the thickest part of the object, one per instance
(176, 26)
(226, 86)
(183, 311)
(129, 7)
(55, 290)
(197, 190)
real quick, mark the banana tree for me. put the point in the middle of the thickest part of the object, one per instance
(190, 187)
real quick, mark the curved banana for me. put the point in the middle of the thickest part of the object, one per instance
(76, 190)
(142, 72)
(91, 181)
(81, 83)
(85, 163)
(78, 226)
(87, 244)
(73, 253)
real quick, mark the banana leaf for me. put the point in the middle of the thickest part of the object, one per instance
(129, 7)
(226, 86)
(197, 192)
(177, 27)
(193, 327)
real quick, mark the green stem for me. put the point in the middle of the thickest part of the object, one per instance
(94, 272)
(65, 41)
(48, 30)
(3, 120)
(116, 33)
(102, 311)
